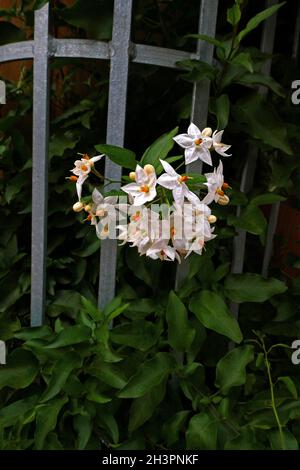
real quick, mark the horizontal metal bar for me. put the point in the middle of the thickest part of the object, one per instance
(80, 48)
(159, 56)
(16, 51)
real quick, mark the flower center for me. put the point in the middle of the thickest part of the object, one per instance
(145, 189)
(220, 192)
(84, 168)
(183, 178)
(198, 141)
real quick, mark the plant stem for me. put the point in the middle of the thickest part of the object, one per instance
(274, 408)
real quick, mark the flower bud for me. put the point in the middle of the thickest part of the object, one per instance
(212, 219)
(207, 131)
(149, 169)
(78, 206)
(132, 175)
(223, 200)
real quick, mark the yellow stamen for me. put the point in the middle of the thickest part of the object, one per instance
(183, 178)
(145, 189)
(84, 168)
(198, 141)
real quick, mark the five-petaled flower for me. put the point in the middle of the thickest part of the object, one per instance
(216, 187)
(196, 143)
(175, 182)
(144, 188)
(219, 146)
(82, 169)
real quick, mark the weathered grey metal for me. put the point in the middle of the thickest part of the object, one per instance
(159, 56)
(41, 84)
(16, 51)
(239, 242)
(296, 43)
(272, 224)
(120, 51)
(80, 48)
(201, 91)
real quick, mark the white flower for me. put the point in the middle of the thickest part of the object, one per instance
(175, 182)
(196, 144)
(143, 190)
(161, 250)
(82, 169)
(218, 146)
(215, 184)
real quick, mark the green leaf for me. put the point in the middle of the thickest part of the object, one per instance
(93, 17)
(213, 313)
(62, 369)
(92, 309)
(204, 37)
(20, 370)
(260, 79)
(268, 198)
(83, 427)
(143, 408)
(257, 19)
(197, 70)
(173, 426)
(243, 59)
(60, 142)
(149, 374)
(13, 413)
(250, 287)
(46, 420)
(290, 442)
(262, 121)
(234, 14)
(290, 385)
(202, 432)
(231, 369)
(180, 334)
(220, 107)
(118, 155)
(70, 335)
(251, 219)
(244, 441)
(110, 374)
(159, 149)
(139, 334)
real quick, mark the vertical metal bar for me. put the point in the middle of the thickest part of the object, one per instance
(40, 164)
(201, 91)
(239, 242)
(295, 53)
(120, 48)
(273, 218)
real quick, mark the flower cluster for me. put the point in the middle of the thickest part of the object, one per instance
(164, 215)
